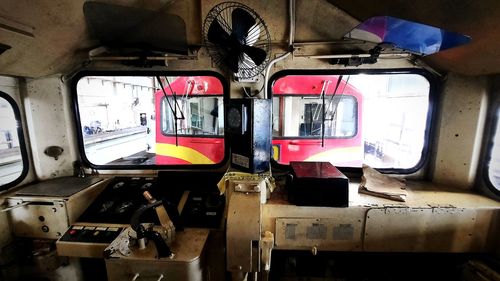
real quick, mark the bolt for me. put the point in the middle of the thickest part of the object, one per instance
(314, 250)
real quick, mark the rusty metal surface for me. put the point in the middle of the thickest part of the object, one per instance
(423, 194)
(61, 40)
(346, 223)
(188, 247)
(243, 227)
(39, 219)
(60, 187)
(419, 230)
(435, 218)
(188, 263)
(48, 217)
(81, 250)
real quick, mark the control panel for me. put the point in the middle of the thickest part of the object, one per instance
(86, 240)
(91, 234)
(190, 199)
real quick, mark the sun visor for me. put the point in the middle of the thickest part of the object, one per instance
(406, 35)
(126, 27)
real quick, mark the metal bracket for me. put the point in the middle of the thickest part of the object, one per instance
(247, 187)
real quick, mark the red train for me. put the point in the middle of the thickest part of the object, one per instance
(301, 104)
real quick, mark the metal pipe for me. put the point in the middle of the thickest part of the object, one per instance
(290, 45)
(268, 69)
(346, 56)
(291, 36)
(335, 42)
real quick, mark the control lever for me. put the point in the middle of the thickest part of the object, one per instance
(142, 233)
(163, 217)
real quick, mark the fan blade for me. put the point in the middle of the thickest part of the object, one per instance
(217, 34)
(256, 54)
(231, 61)
(242, 22)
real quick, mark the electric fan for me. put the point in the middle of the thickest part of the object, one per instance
(237, 39)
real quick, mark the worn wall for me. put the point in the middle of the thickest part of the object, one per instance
(461, 118)
(50, 123)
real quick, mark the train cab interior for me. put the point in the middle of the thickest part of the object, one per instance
(249, 140)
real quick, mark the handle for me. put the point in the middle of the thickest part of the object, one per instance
(15, 207)
(161, 247)
(244, 119)
(149, 197)
(135, 277)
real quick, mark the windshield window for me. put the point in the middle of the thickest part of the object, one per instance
(351, 119)
(151, 120)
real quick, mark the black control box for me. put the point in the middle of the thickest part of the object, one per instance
(249, 128)
(318, 184)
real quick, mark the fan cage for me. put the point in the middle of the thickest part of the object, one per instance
(258, 36)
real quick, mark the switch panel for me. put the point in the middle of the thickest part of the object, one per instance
(86, 241)
(326, 234)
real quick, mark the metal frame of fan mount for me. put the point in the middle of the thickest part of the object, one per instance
(237, 40)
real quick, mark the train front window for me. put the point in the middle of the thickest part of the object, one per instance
(351, 119)
(195, 116)
(152, 120)
(337, 120)
(12, 163)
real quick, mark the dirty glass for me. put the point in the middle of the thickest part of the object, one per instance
(151, 120)
(11, 159)
(352, 119)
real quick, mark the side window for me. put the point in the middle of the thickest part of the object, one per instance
(352, 119)
(494, 162)
(13, 161)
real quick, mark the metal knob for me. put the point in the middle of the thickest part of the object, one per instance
(314, 250)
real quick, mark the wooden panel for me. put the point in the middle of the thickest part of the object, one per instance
(419, 229)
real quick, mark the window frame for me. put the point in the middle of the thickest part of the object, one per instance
(22, 143)
(434, 87)
(495, 122)
(81, 147)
